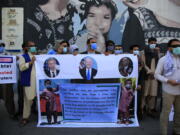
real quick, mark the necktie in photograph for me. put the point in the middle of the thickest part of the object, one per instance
(88, 75)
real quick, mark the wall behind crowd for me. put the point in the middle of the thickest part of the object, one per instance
(123, 21)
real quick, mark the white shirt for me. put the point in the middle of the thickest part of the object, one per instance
(51, 72)
(174, 90)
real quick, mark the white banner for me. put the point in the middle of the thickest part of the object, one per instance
(55, 73)
(12, 27)
(76, 67)
(7, 69)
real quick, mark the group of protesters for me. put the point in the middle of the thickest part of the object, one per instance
(158, 88)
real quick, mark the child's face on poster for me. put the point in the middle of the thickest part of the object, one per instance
(99, 20)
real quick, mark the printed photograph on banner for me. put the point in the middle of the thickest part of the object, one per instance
(88, 68)
(50, 108)
(52, 67)
(125, 66)
(126, 113)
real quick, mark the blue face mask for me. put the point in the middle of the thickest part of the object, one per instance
(65, 49)
(176, 51)
(1, 49)
(152, 46)
(33, 49)
(136, 52)
(93, 46)
(118, 51)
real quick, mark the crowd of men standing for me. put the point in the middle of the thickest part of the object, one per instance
(159, 78)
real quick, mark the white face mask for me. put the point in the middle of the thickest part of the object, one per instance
(152, 46)
(136, 52)
(65, 49)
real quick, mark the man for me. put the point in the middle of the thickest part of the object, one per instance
(52, 71)
(28, 79)
(60, 48)
(20, 87)
(88, 72)
(152, 55)
(6, 90)
(168, 72)
(91, 47)
(74, 50)
(135, 49)
(110, 46)
(118, 49)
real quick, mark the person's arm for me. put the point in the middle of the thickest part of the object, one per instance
(25, 65)
(159, 70)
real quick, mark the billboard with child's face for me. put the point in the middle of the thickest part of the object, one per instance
(126, 22)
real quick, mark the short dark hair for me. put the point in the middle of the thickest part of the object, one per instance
(128, 80)
(133, 46)
(23, 45)
(47, 81)
(152, 39)
(119, 46)
(97, 3)
(2, 44)
(171, 41)
(109, 42)
(89, 40)
(65, 42)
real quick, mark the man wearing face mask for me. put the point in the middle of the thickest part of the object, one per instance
(60, 48)
(168, 72)
(6, 90)
(152, 55)
(118, 49)
(91, 47)
(110, 46)
(134, 49)
(28, 80)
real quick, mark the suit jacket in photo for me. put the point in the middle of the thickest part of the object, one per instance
(83, 73)
(48, 73)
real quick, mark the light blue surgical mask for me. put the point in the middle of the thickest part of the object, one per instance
(1, 49)
(94, 46)
(65, 50)
(118, 51)
(152, 46)
(176, 51)
(128, 86)
(136, 52)
(33, 49)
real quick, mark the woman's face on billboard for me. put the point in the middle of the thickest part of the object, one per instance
(99, 19)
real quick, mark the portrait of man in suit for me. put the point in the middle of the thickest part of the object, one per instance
(88, 72)
(51, 68)
(125, 66)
